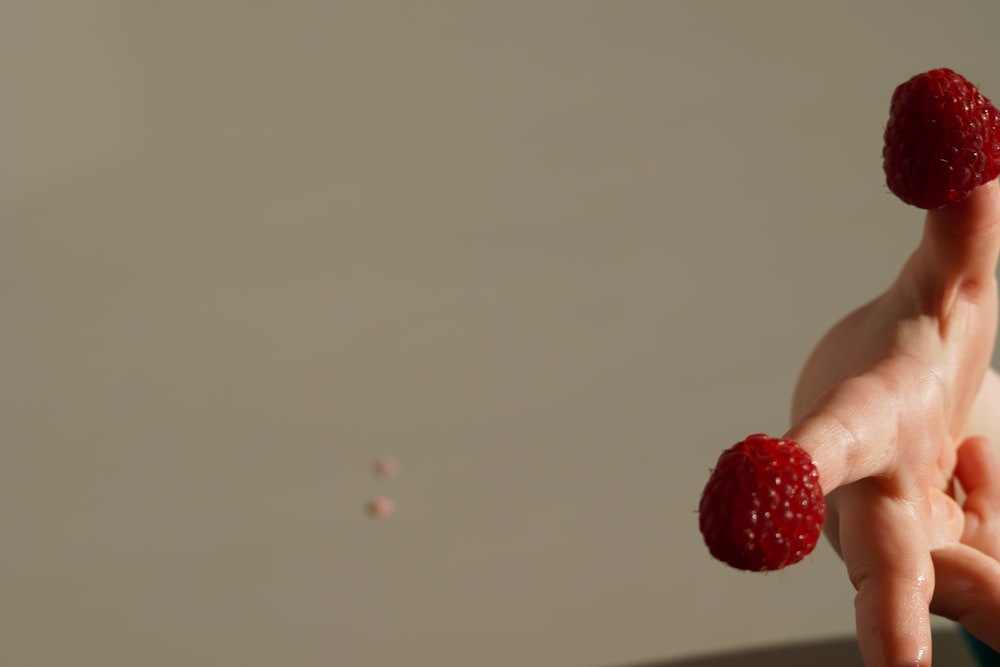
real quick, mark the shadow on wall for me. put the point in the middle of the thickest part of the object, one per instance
(950, 649)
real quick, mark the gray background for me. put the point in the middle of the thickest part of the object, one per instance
(552, 256)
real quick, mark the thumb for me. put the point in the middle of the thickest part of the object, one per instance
(961, 242)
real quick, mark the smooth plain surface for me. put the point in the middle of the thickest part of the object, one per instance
(553, 257)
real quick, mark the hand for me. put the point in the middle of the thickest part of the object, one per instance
(883, 404)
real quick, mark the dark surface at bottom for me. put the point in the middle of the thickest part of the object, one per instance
(985, 656)
(951, 649)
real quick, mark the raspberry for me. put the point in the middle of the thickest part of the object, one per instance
(381, 507)
(942, 140)
(762, 508)
(385, 467)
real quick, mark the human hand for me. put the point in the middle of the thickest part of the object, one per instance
(882, 405)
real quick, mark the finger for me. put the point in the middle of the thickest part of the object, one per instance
(961, 242)
(947, 522)
(968, 590)
(887, 558)
(978, 471)
(852, 433)
(984, 418)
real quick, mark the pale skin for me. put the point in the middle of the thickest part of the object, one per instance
(899, 407)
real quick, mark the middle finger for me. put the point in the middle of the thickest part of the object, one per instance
(885, 550)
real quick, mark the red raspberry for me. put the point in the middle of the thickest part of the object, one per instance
(942, 140)
(762, 508)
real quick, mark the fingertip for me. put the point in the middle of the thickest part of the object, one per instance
(976, 214)
(975, 448)
(947, 520)
(978, 472)
(977, 468)
(893, 623)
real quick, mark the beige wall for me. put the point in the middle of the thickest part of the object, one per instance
(552, 256)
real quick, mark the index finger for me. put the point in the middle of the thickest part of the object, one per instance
(890, 566)
(853, 432)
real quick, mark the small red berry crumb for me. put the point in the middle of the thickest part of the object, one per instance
(385, 467)
(942, 140)
(381, 507)
(762, 508)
